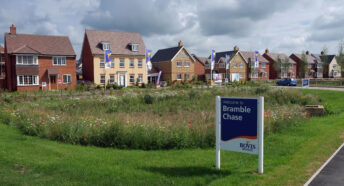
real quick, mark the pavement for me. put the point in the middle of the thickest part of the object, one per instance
(332, 171)
(317, 88)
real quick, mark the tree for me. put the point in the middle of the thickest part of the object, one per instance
(282, 65)
(303, 65)
(340, 57)
(324, 60)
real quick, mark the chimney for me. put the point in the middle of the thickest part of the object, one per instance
(266, 51)
(307, 52)
(236, 48)
(13, 29)
(180, 43)
(322, 53)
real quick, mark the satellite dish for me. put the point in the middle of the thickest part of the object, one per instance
(149, 65)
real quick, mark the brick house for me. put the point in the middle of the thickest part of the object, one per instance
(259, 73)
(199, 67)
(2, 68)
(128, 63)
(176, 63)
(287, 68)
(313, 68)
(238, 66)
(34, 59)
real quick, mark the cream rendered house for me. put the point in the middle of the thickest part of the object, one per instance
(128, 63)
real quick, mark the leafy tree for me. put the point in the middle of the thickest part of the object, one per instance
(282, 65)
(324, 59)
(303, 65)
(340, 57)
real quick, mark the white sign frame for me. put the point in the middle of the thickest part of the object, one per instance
(260, 132)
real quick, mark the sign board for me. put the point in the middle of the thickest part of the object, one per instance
(239, 126)
(217, 78)
(305, 82)
(60, 81)
(44, 84)
(226, 80)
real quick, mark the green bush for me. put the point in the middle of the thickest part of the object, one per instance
(148, 99)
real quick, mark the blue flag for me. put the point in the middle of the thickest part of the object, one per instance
(148, 55)
(107, 56)
(228, 60)
(213, 57)
(256, 64)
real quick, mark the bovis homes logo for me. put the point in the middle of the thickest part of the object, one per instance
(247, 146)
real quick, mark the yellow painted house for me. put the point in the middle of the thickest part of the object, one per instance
(128, 63)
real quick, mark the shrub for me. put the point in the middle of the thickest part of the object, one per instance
(148, 99)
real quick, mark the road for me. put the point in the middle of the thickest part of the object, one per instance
(317, 88)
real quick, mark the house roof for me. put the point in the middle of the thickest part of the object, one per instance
(317, 58)
(165, 54)
(119, 42)
(38, 44)
(275, 56)
(310, 59)
(202, 60)
(221, 55)
(247, 54)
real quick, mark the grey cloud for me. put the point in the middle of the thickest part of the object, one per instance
(328, 28)
(146, 17)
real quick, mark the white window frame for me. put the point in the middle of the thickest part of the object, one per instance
(121, 63)
(132, 63)
(131, 78)
(140, 78)
(112, 63)
(187, 78)
(241, 65)
(34, 78)
(241, 75)
(265, 74)
(181, 64)
(102, 79)
(334, 66)
(180, 77)
(112, 79)
(102, 63)
(263, 65)
(134, 47)
(20, 60)
(186, 64)
(67, 75)
(139, 63)
(291, 66)
(60, 59)
(319, 65)
(106, 46)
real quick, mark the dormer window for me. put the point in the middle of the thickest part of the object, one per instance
(106, 46)
(134, 47)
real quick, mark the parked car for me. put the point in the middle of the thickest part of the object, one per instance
(287, 82)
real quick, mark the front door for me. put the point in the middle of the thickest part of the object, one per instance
(122, 80)
(53, 85)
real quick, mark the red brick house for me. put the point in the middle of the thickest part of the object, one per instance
(259, 73)
(2, 68)
(313, 68)
(39, 62)
(199, 67)
(287, 67)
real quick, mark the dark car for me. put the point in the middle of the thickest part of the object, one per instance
(287, 82)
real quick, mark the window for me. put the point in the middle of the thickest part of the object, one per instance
(265, 74)
(131, 78)
(67, 78)
(241, 75)
(139, 64)
(135, 47)
(292, 74)
(112, 79)
(291, 66)
(102, 79)
(222, 65)
(319, 65)
(140, 78)
(24, 80)
(106, 46)
(334, 73)
(179, 76)
(112, 63)
(186, 76)
(102, 64)
(254, 75)
(131, 64)
(186, 64)
(59, 60)
(27, 60)
(334, 67)
(235, 65)
(241, 65)
(263, 65)
(121, 63)
(319, 74)
(309, 65)
(179, 64)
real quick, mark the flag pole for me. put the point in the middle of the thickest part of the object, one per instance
(105, 71)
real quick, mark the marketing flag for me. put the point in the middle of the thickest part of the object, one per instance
(158, 81)
(148, 59)
(228, 60)
(256, 63)
(107, 59)
(213, 56)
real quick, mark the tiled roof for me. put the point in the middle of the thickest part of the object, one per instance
(38, 44)
(200, 59)
(329, 58)
(165, 54)
(220, 55)
(119, 42)
(275, 56)
(310, 58)
(247, 54)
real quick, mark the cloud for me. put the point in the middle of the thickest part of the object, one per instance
(147, 17)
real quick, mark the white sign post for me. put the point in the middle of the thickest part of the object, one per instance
(240, 127)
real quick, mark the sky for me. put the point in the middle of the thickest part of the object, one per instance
(289, 27)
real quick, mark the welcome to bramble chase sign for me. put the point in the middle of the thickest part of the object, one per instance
(239, 126)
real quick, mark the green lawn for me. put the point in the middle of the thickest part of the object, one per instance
(291, 157)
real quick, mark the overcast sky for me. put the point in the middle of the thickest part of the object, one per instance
(282, 26)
